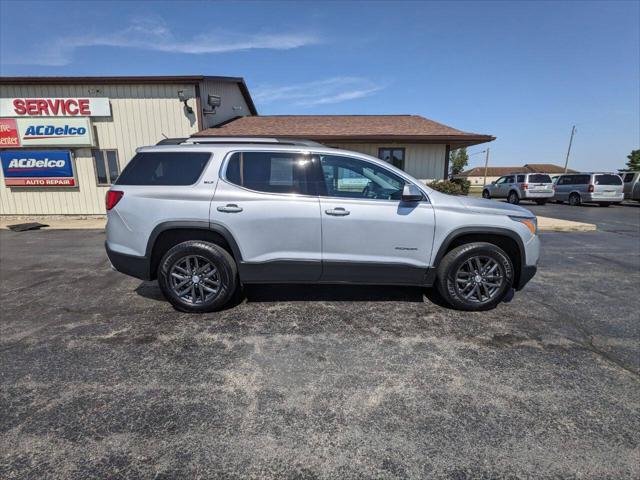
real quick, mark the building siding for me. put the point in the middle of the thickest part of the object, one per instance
(423, 161)
(232, 103)
(141, 115)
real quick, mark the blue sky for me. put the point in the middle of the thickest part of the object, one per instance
(522, 71)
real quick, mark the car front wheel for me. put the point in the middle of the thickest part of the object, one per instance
(197, 276)
(513, 198)
(476, 276)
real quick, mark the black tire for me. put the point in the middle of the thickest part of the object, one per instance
(226, 274)
(541, 202)
(575, 200)
(486, 194)
(513, 198)
(456, 259)
(605, 204)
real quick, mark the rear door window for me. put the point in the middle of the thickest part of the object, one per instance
(537, 178)
(272, 172)
(164, 168)
(521, 178)
(608, 180)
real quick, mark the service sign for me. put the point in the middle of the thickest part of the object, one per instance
(55, 107)
(9, 136)
(37, 168)
(47, 132)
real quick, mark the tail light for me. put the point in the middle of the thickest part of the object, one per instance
(112, 198)
(590, 189)
(525, 186)
(553, 187)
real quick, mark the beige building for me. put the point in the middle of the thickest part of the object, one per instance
(119, 115)
(413, 143)
(476, 175)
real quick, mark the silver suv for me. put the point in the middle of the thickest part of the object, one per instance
(602, 188)
(521, 186)
(205, 217)
(631, 182)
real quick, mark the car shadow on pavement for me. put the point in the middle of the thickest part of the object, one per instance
(294, 293)
(333, 293)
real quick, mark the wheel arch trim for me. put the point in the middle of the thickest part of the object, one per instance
(462, 231)
(192, 225)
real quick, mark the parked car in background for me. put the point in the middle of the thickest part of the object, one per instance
(631, 185)
(602, 188)
(204, 217)
(537, 187)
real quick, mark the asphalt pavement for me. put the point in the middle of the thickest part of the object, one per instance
(101, 378)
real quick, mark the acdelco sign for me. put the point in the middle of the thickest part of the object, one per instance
(44, 132)
(24, 168)
(55, 107)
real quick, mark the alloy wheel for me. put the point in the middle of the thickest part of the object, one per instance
(479, 279)
(194, 279)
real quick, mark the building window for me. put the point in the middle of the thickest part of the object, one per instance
(394, 156)
(106, 165)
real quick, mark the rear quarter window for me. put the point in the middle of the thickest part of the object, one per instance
(539, 179)
(164, 168)
(608, 180)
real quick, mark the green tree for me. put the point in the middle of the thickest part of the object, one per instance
(634, 160)
(458, 160)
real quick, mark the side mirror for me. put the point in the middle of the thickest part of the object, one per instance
(411, 193)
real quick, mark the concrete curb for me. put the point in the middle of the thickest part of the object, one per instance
(546, 224)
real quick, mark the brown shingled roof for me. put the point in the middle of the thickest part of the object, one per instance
(528, 168)
(353, 128)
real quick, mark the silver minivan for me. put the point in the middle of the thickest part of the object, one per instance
(537, 187)
(631, 182)
(602, 188)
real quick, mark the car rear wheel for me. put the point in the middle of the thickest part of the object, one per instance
(513, 198)
(486, 194)
(474, 277)
(575, 200)
(197, 276)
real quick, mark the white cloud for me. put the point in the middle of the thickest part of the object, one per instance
(154, 34)
(318, 92)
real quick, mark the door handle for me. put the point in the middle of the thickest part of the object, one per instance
(230, 208)
(338, 212)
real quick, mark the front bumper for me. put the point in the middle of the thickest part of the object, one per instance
(527, 273)
(132, 265)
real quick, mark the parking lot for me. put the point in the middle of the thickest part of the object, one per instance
(101, 378)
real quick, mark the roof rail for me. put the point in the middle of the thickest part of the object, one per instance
(171, 141)
(254, 140)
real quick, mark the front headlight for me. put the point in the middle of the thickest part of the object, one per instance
(530, 222)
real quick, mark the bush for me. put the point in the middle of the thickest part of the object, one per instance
(451, 187)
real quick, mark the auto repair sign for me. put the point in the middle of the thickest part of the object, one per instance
(55, 107)
(46, 132)
(37, 168)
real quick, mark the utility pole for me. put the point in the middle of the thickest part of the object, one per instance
(486, 166)
(566, 161)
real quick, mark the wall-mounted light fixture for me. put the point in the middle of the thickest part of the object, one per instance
(213, 101)
(183, 98)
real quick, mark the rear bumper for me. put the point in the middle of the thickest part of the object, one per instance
(526, 274)
(538, 195)
(591, 198)
(131, 265)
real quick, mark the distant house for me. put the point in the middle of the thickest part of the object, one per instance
(476, 175)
